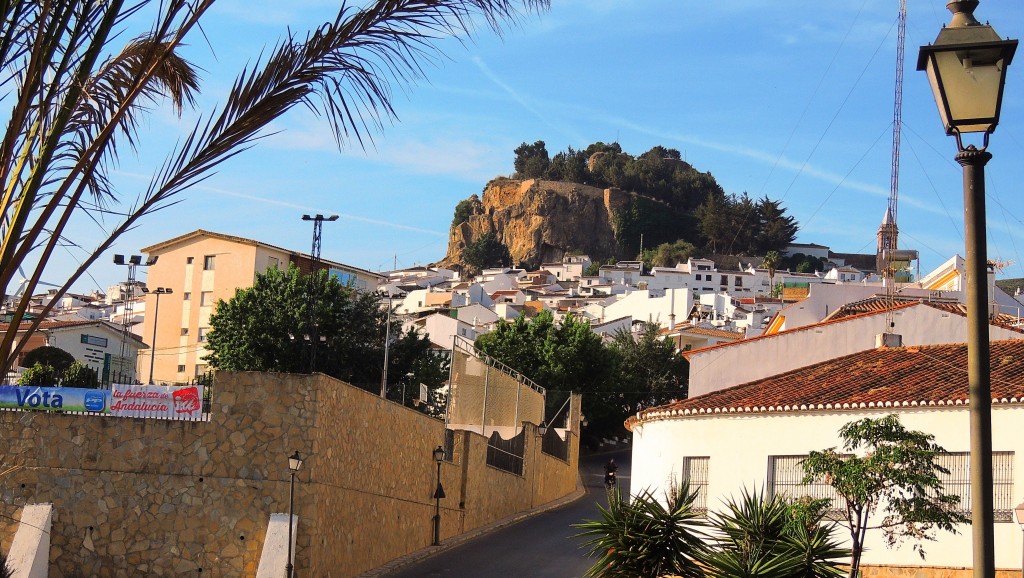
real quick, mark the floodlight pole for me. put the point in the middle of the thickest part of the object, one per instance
(312, 303)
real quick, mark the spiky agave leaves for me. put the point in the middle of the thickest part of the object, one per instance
(768, 537)
(647, 537)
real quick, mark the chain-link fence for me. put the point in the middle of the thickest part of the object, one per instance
(487, 396)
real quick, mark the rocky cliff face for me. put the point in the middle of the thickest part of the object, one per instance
(540, 221)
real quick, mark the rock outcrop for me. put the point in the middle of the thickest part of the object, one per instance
(540, 221)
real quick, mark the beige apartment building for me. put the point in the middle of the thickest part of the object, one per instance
(201, 268)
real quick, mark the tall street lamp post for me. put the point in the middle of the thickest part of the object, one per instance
(438, 494)
(156, 315)
(294, 463)
(966, 67)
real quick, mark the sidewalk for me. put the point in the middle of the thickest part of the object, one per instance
(461, 539)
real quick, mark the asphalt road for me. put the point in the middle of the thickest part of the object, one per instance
(543, 546)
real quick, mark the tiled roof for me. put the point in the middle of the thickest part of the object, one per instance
(711, 331)
(878, 303)
(934, 375)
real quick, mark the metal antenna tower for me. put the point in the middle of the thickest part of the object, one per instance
(889, 229)
(312, 303)
(129, 301)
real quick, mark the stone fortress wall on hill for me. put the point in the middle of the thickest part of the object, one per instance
(138, 497)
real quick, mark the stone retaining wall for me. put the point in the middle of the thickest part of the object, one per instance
(149, 497)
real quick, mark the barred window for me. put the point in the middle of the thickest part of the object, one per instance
(695, 471)
(786, 478)
(958, 481)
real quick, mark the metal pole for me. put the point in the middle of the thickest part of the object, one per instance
(437, 508)
(483, 413)
(387, 342)
(152, 352)
(291, 504)
(978, 369)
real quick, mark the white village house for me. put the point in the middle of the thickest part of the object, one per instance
(754, 435)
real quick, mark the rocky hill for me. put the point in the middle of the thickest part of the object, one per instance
(540, 221)
(653, 200)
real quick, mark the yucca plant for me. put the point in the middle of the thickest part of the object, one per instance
(74, 100)
(646, 537)
(769, 537)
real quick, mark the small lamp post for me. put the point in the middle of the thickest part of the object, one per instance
(156, 315)
(542, 429)
(966, 67)
(1019, 512)
(294, 463)
(438, 494)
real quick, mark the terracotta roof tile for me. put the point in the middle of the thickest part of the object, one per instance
(934, 375)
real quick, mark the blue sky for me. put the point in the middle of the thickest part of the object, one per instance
(790, 101)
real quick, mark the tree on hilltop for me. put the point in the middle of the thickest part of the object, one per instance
(532, 161)
(487, 251)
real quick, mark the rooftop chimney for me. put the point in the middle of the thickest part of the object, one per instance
(888, 340)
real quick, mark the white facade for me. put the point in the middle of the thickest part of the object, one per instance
(726, 365)
(651, 306)
(661, 447)
(441, 329)
(91, 343)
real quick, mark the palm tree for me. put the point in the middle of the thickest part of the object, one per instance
(771, 262)
(74, 99)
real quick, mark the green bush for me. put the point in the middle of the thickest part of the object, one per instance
(80, 375)
(39, 375)
(47, 355)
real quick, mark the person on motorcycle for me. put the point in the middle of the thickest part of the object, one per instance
(609, 472)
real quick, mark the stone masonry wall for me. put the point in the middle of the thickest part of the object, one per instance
(160, 498)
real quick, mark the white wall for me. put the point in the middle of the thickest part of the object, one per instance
(660, 446)
(642, 307)
(752, 359)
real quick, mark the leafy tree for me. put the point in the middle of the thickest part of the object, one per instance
(80, 375)
(486, 251)
(775, 229)
(464, 210)
(651, 372)
(714, 224)
(647, 537)
(75, 99)
(805, 263)
(267, 327)
(898, 472)
(39, 375)
(532, 161)
(55, 357)
(412, 361)
(569, 166)
(669, 254)
(561, 357)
